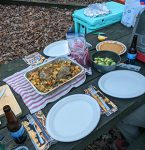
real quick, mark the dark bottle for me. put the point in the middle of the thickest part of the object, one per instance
(132, 52)
(17, 130)
(2, 146)
(70, 29)
(70, 32)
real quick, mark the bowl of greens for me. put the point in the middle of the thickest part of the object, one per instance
(105, 61)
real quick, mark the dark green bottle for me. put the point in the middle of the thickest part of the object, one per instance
(16, 129)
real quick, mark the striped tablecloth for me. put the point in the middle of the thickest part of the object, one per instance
(31, 98)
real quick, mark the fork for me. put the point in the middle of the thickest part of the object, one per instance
(32, 122)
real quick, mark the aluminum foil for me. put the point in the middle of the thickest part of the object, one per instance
(97, 9)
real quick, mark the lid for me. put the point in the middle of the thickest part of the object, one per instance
(114, 7)
(8, 98)
(6, 108)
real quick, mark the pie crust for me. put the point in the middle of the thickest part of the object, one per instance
(114, 46)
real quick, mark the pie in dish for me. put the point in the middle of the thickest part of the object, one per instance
(114, 46)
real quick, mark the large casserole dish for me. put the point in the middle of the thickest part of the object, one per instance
(49, 76)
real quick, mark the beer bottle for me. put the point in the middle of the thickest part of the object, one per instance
(132, 52)
(17, 130)
(2, 146)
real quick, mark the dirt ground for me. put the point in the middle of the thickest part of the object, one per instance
(26, 29)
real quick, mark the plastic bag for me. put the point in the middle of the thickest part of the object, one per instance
(98, 9)
(79, 50)
(132, 9)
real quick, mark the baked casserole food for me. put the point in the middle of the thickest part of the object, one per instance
(51, 75)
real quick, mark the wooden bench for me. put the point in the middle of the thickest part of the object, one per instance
(139, 144)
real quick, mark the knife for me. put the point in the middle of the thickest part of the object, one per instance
(2, 92)
(98, 33)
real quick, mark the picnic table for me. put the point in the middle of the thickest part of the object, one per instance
(114, 32)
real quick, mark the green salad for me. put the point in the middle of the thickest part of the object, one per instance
(104, 61)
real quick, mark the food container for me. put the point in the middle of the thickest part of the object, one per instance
(26, 75)
(113, 46)
(102, 54)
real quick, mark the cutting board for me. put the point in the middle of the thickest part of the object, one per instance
(9, 99)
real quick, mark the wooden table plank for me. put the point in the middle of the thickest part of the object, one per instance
(125, 107)
(10, 68)
(10, 144)
(138, 144)
(5, 71)
(115, 32)
(45, 3)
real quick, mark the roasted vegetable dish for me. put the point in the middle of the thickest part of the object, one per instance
(52, 75)
(104, 61)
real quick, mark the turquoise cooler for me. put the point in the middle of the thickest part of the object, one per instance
(84, 24)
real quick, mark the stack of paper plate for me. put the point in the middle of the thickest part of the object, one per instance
(56, 49)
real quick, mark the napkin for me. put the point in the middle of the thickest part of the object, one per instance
(106, 105)
(40, 120)
(31, 98)
(9, 99)
(34, 59)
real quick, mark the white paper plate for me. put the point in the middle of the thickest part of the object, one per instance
(122, 84)
(73, 118)
(56, 49)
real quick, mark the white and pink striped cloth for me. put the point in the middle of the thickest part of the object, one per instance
(31, 98)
